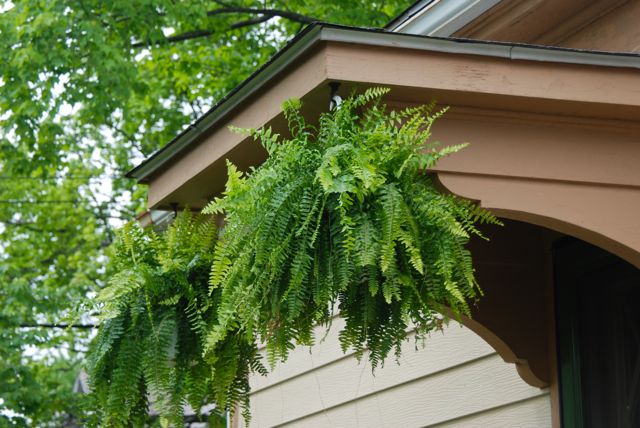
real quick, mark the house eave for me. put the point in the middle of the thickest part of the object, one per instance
(317, 33)
(227, 104)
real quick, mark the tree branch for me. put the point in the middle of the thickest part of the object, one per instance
(252, 21)
(264, 15)
(292, 16)
(178, 38)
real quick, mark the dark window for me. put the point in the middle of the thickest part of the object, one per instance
(598, 321)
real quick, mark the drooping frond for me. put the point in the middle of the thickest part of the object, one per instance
(155, 314)
(342, 217)
(339, 215)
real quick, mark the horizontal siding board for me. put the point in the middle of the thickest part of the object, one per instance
(304, 358)
(530, 413)
(456, 376)
(464, 390)
(442, 349)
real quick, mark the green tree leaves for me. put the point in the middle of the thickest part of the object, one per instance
(87, 90)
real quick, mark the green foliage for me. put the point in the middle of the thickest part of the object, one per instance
(87, 90)
(154, 316)
(340, 215)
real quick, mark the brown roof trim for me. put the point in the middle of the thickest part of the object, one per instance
(319, 32)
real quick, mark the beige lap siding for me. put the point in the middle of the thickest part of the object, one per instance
(455, 380)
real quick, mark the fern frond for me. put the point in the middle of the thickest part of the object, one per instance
(341, 216)
(154, 316)
(338, 217)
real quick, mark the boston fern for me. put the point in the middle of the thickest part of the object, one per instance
(342, 216)
(155, 312)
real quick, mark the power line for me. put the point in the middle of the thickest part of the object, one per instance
(66, 177)
(56, 325)
(59, 201)
(36, 202)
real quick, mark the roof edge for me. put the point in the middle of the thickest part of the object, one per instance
(442, 18)
(318, 32)
(283, 58)
(409, 13)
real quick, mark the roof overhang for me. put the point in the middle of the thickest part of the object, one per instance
(496, 76)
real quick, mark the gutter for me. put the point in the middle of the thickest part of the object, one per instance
(318, 32)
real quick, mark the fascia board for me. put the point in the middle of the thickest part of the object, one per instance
(369, 37)
(406, 41)
(473, 47)
(568, 56)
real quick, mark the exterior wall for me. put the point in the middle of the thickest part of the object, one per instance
(457, 379)
(566, 173)
(529, 21)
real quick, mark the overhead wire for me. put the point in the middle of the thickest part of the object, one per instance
(42, 201)
(66, 177)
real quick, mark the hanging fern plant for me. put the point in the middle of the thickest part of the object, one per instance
(342, 217)
(155, 312)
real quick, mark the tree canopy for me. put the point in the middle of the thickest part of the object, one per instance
(88, 89)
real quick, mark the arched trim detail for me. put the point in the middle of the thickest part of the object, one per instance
(539, 380)
(603, 215)
(525, 371)
(516, 314)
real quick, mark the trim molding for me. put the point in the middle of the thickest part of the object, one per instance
(318, 33)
